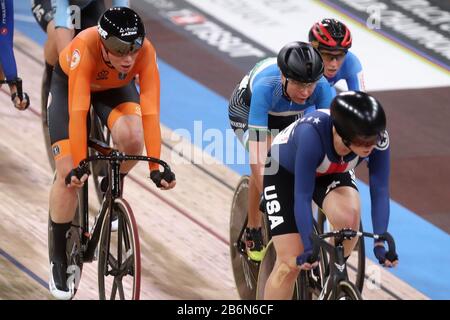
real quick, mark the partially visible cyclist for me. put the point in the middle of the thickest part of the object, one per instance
(8, 67)
(98, 67)
(62, 20)
(333, 39)
(316, 156)
(275, 93)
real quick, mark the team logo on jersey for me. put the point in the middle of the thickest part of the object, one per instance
(102, 75)
(383, 141)
(76, 57)
(3, 31)
(56, 150)
(138, 111)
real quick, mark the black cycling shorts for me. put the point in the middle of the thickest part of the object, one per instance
(283, 183)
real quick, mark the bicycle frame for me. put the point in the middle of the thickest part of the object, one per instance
(337, 269)
(89, 241)
(337, 263)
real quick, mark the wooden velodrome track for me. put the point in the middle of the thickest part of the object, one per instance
(183, 232)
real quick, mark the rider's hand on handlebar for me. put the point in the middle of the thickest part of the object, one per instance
(304, 261)
(76, 178)
(380, 253)
(163, 181)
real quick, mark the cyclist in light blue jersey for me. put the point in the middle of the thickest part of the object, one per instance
(8, 67)
(275, 93)
(333, 39)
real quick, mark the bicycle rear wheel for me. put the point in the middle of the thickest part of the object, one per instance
(119, 261)
(245, 271)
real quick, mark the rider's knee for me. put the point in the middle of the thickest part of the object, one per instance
(348, 218)
(135, 143)
(284, 272)
(129, 140)
(351, 219)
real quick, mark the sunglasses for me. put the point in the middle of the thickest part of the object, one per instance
(301, 85)
(331, 56)
(366, 141)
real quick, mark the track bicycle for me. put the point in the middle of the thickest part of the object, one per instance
(118, 253)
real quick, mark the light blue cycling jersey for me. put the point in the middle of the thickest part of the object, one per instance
(63, 10)
(267, 95)
(7, 60)
(351, 72)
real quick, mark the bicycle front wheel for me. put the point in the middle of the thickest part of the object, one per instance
(347, 291)
(119, 261)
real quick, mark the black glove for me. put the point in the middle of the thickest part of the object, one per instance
(157, 176)
(77, 172)
(305, 257)
(382, 255)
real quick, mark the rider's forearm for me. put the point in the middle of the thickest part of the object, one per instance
(78, 136)
(152, 138)
(379, 189)
(258, 175)
(258, 155)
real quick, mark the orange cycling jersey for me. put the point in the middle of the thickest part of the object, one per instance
(87, 72)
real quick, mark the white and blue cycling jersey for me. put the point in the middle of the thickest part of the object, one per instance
(7, 60)
(267, 95)
(63, 10)
(351, 72)
(305, 149)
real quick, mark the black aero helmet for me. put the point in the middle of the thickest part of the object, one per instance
(357, 115)
(301, 62)
(121, 31)
(330, 34)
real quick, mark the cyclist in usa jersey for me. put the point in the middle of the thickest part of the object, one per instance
(333, 39)
(8, 67)
(276, 92)
(315, 157)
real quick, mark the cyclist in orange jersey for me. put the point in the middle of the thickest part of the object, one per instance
(98, 68)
